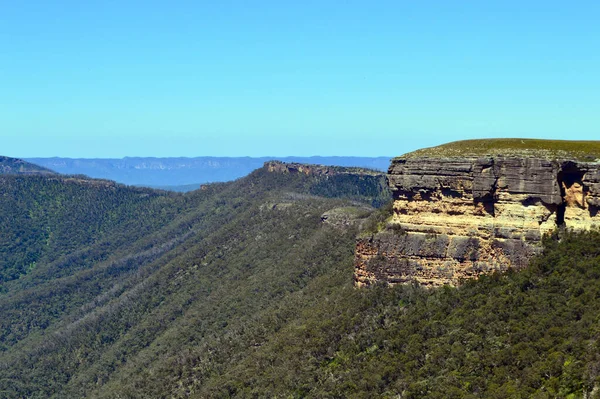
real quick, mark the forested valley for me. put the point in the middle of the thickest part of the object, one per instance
(245, 289)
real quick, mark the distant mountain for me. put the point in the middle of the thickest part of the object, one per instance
(18, 166)
(186, 173)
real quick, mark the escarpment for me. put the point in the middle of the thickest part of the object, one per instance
(317, 170)
(456, 217)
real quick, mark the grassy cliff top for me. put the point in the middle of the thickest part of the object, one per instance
(579, 150)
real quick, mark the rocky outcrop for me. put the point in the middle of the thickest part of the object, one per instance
(317, 170)
(347, 216)
(457, 217)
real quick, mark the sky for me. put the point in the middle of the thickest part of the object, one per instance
(276, 78)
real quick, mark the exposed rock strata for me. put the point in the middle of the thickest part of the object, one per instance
(458, 217)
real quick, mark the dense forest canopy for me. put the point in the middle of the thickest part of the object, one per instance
(245, 289)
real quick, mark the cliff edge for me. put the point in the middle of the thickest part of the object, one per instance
(476, 206)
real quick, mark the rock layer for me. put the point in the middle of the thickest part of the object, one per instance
(458, 217)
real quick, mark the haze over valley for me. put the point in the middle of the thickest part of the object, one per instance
(184, 174)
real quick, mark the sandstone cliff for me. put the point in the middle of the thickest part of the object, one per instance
(459, 216)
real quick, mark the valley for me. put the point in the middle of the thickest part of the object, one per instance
(248, 289)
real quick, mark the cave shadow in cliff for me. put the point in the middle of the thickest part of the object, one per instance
(448, 192)
(488, 206)
(567, 176)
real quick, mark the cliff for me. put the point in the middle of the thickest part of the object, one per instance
(470, 207)
(317, 170)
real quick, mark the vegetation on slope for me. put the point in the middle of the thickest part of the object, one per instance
(241, 290)
(46, 218)
(553, 149)
(128, 277)
(523, 334)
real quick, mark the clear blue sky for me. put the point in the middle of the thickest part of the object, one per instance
(190, 78)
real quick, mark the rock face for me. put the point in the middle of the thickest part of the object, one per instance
(458, 217)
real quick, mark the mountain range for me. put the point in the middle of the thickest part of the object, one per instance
(185, 174)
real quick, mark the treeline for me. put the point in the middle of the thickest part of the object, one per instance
(240, 290)
(357, 187)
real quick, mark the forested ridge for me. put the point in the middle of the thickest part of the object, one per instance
(243, 289)
(18, 166)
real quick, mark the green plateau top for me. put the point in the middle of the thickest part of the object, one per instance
(553, 149)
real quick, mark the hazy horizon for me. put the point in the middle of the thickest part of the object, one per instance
(212, 156)
(183, 171)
